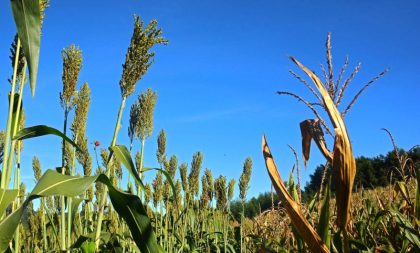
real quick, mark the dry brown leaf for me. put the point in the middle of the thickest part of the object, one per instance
(304, 229)
(344, 171)
(311, 129)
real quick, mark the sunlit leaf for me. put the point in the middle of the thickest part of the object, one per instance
(6, 198)
(41, 130)
(303, 227)
(28, 23)
(52, 183)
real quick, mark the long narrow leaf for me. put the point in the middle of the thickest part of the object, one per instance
(324, 217)
(28, 23)
(123, 155)
(305, 230)
(41, 130)
(168, 178)
(75, 202)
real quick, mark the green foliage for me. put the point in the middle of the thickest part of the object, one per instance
(41, 130)
(253, 206)
(183, 221)
(6, 197)
(53, 183)
(27, 15)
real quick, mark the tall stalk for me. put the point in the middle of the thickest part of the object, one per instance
(17, 203)
(15, 125)
(105, 190)
(62, 198)
(5, 171)
(72, 64)
(70, 200)
(137, 62)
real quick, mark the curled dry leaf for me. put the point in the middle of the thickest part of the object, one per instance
(311, 129)
(305, 230)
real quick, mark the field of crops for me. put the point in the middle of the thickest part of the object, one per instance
(186, 208)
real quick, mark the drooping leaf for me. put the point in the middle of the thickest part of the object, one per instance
(402, 188)
(168, 178)
(128, 206)
(75, 202)
(295, 213)
(41, 130)
(123, 155)
(311, 129)
(6, 198)
(344, 170)
(28, 23)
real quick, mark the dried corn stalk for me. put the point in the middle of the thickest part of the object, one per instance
(344, 165)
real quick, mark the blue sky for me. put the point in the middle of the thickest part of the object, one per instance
(217, 79)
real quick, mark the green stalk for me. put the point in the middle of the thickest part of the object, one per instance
(9, 121)
(16, 204)
(10, 159)
(51, 220)
(69, 221)
(44, 227)
(62, 198)
(242, 224)
(105, 192)
(141, 166)
(15, 126)
(224, 231)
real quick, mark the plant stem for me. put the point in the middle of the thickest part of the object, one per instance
(15, 126)
(141, 167)
(62, 198)
(9, 120)
(242, 224)
(44, 227)
(17, 203)
(72, 172)
(105, 191)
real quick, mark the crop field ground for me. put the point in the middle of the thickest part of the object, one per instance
(185, 208)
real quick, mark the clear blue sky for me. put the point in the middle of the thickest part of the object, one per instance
(217, 79)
